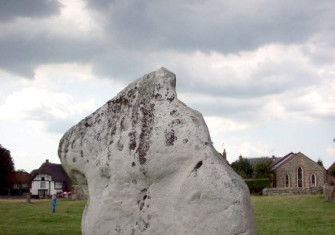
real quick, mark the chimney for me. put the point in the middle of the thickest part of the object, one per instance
(224, 154)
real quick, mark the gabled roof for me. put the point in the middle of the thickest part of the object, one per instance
(280, 161)
(331, 167)
(56, 172)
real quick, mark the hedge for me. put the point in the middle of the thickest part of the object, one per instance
(256, 185)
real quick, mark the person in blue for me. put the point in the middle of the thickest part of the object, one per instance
(53, 203)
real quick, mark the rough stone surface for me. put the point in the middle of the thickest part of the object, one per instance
(150, 167)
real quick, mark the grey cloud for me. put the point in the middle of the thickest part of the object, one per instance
(139, 34)
(53, 125)
(21, 53)
(134, 28)
(223, 26)
(10, 9)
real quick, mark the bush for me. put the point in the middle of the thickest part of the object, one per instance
(242, 167)
(262, 168)
(256, 185)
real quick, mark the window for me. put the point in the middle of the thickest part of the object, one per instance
(300, 177)
(58, 185)
(287, 181)
(313, 180)
(42, 184)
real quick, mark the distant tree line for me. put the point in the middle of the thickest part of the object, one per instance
(257, 176)
(262, 168)
(6, 168)
(11, 181)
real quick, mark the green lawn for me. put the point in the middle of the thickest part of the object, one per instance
(305, 214)
(274, 215)
(19, 217)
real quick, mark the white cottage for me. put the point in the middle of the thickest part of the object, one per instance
(49, 179)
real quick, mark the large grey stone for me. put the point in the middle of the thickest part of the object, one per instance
(150, 167)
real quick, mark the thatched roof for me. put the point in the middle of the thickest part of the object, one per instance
(56, 172)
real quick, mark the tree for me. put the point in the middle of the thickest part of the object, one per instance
(263, 168)
(6, 167)
(242, 167)
(320, 162)
(331, 170)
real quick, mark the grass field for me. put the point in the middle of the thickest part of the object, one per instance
(19, 217)
(274, 215)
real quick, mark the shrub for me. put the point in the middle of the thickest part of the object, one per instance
(256, 185)
(242, 167)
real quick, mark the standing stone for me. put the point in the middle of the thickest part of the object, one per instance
(329, 192)
(150, 167)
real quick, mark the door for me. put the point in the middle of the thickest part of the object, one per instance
(42, 193)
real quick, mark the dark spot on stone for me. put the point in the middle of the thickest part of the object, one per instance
(113, 131)
(122, 124)
(118, 229)
(146, 131)
(175, 122)
(74, 160)
(119, 146)
(158, 96)
(132, 142)
(145, 197)
(197, 166)
(81, 153)
(170, 137)
(141, 205)
(144, 190)
(146, 225)
(116, 104)
(87, 125)
(195, 120)
(97, 137)
(104, 172)
(173, 113)
(206, 143)
(72, 144)
(149, 217)
(185, 141)
(87, 161)
(133, 164)
(171, 98)
(149, 197)
(148, 206)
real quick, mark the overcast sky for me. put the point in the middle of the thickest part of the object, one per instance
(262, 73)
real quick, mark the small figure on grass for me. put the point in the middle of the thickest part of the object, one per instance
(53, 203)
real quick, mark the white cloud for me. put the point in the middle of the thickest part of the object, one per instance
(219, 124)
(331, 151)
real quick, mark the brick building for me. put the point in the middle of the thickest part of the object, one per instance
(296, 170)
